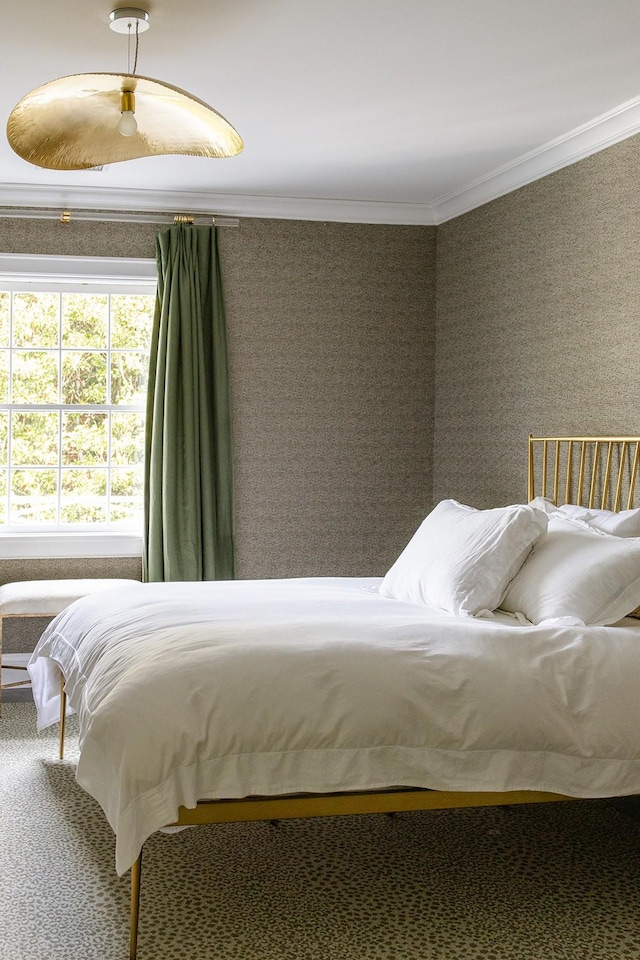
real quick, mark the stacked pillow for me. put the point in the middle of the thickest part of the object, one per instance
(461, 559)
(550, 564)
(625, 523)
(577, 573)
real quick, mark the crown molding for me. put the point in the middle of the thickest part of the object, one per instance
(583, 141)
(40, 196)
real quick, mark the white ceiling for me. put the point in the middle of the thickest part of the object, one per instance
(407, 111)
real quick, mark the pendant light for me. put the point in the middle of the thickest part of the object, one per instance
(93, 119)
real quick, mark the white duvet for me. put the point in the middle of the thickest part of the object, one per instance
(188, 691)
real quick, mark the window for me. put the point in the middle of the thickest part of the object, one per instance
(74, 356)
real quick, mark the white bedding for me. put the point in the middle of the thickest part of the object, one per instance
(229, 689)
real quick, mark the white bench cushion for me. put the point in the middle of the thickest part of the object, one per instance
(49, 597)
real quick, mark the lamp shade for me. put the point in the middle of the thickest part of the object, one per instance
(72, 123)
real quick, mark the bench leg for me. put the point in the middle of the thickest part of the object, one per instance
(63, 714)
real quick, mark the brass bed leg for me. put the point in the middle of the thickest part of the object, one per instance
(63, 714)
(136, 872)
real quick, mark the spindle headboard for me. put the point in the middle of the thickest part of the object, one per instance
(598, 472)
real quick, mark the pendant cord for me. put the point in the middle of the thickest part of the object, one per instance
(135, 59)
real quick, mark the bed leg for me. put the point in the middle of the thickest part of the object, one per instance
(63, 714)
(136, 872)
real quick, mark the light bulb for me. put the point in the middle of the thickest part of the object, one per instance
(128, 124)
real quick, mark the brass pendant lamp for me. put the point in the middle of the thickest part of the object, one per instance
(92, 119)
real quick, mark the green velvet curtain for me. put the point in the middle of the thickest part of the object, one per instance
(188, 458)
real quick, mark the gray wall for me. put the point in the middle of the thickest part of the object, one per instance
(331, 330)
(538, 323)
(332, 339)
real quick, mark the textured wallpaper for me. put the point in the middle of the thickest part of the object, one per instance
(538, 325)
(76, 239)
(332, 333)
(332, 337)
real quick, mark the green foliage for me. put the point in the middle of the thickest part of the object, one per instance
(129, 373)
(84, 496)
(4, 438)
(84, 378)
(84, 320)
(84, 438)
(4, 318)
(125, 483)
(34, 496)
(35, 319)
(77, 442)
(35, 439)
(4, 376)
(127, 438)
(35, 377)
(131, 321)
(126, 494)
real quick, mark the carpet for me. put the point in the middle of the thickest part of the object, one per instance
(547, 882)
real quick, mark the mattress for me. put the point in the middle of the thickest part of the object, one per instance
(188, 691)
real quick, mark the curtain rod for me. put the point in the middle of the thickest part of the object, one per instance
(112, 216)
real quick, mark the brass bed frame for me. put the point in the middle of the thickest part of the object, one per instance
(607, 466)
(571, 464)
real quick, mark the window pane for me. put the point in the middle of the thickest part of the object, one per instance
(3, 496)
(84, 320)
(35, 377)
(4, 437)
(127, 438)
(34, 439)
(84, 378)
(35, 319)
(126, 495)
(4, 376)
(84, 438)
(84, 350)
(84, 496)
(131, 320)
(4, 319)
(34, 496)
(129, 377)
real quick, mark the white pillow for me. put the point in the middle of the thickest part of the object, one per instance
(575, 571)
(547, 506)
(622, 523)
(462, 559)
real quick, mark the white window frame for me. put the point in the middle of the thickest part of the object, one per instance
(88, 274)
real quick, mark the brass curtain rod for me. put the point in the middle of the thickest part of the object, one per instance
(113, 216)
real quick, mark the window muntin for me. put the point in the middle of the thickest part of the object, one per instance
(73, 369)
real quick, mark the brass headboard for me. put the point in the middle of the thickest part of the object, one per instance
(601, 471)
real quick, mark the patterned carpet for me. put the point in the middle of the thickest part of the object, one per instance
(551, 882)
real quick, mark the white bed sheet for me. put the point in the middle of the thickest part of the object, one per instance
(188, 691)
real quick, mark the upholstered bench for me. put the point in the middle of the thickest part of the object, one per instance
(45, 598)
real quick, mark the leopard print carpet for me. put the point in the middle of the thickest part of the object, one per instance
(549, 882)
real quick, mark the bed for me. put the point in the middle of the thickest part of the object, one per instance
(323, 696)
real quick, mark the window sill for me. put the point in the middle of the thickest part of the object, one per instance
(22, 546)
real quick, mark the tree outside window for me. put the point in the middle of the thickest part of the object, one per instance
(73, 373)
